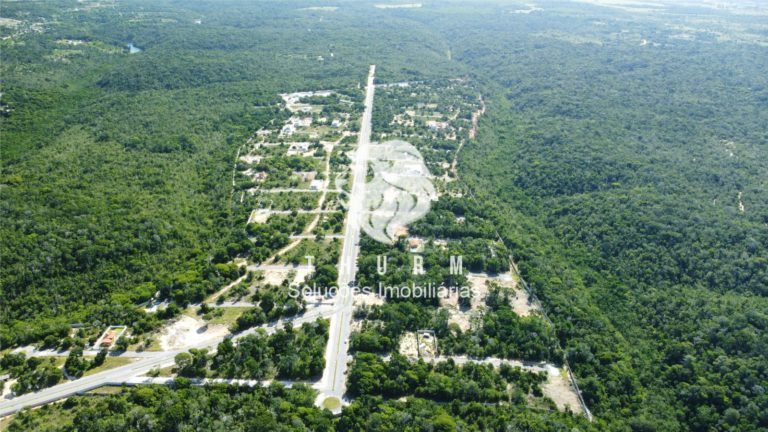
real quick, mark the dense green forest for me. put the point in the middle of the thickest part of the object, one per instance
(444, 381)
(159, 408)
(288, 353)
(275, 408)
(115, 166)
(615, 174)
(623, 159)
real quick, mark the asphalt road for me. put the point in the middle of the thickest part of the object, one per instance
(334, 375)
(150, 360)
(84, 384)
(334, 378)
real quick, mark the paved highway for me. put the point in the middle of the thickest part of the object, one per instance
(334, 374)
(60, 391)
(156, 359)
(334, 378)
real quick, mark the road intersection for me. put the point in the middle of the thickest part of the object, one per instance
(339, 309)
(333, 383)
(149, 360)
(334, 376)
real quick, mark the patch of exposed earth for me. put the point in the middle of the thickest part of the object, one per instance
(409, 345)
(187, 332)
(558, 388)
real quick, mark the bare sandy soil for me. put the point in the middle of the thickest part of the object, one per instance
(457, 316)
(259, 216)
(558, 388)
(427, 344)
(409, 345)
(741, 203)
(7, 389)
(249, 158)
(356, 325)
(463, 320)
(188, 331)
(520, 303)
(367, 299)
(8, 22)
(479, 284)
(276, 277)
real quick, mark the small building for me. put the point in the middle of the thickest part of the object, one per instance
(260, 176)
(415, 244)
(336, 123)
(109, 339)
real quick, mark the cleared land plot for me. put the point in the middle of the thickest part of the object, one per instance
(558, 388)
(188, 331)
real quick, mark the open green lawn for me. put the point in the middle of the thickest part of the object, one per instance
(107, 390)
(228, 316)
(109, 363)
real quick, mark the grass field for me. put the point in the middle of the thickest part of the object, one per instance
(228, 316)
(109, 363)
